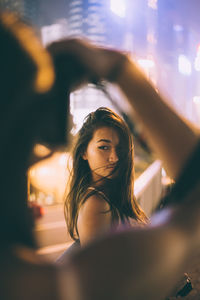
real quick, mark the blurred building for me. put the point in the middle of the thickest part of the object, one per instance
(13, 5)
(29, 10)
(178, 58)
(87, 18)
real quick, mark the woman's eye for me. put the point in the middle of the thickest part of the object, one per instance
(103, 147)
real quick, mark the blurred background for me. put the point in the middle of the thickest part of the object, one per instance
(163, 37)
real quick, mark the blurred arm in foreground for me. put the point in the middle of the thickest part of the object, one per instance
(140, 263)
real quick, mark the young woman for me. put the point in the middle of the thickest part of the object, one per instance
(101, 194)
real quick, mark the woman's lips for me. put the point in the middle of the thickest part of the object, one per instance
(112, 167)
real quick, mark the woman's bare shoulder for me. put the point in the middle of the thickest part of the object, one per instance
(94, 218)
(95, 203)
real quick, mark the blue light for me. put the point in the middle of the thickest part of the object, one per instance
(118, 7)
(184, 65)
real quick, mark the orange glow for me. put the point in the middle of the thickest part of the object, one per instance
(51, 175)
(41, 150)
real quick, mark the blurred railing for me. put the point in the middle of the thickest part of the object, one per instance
(148, 187)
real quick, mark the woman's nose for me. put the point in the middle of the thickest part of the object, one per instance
(113, 156)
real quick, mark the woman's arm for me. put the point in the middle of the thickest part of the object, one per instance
(94, 219)
(140, 263)
(170, 136)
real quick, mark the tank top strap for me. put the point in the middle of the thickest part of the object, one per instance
(114, 211)
(93, 190)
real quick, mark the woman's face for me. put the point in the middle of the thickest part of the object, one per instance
(101, 153)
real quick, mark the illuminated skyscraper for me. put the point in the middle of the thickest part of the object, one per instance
(13, 5)
(25, 8)
(87, 18)
(31, 11)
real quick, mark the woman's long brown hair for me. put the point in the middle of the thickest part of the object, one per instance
(120, 191)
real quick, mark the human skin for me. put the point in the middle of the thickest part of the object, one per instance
(101, 153)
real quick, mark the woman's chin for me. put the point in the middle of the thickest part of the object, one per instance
(101, 178)
(113, 174)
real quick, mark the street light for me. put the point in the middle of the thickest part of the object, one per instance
(184, 65)
(118, 7)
